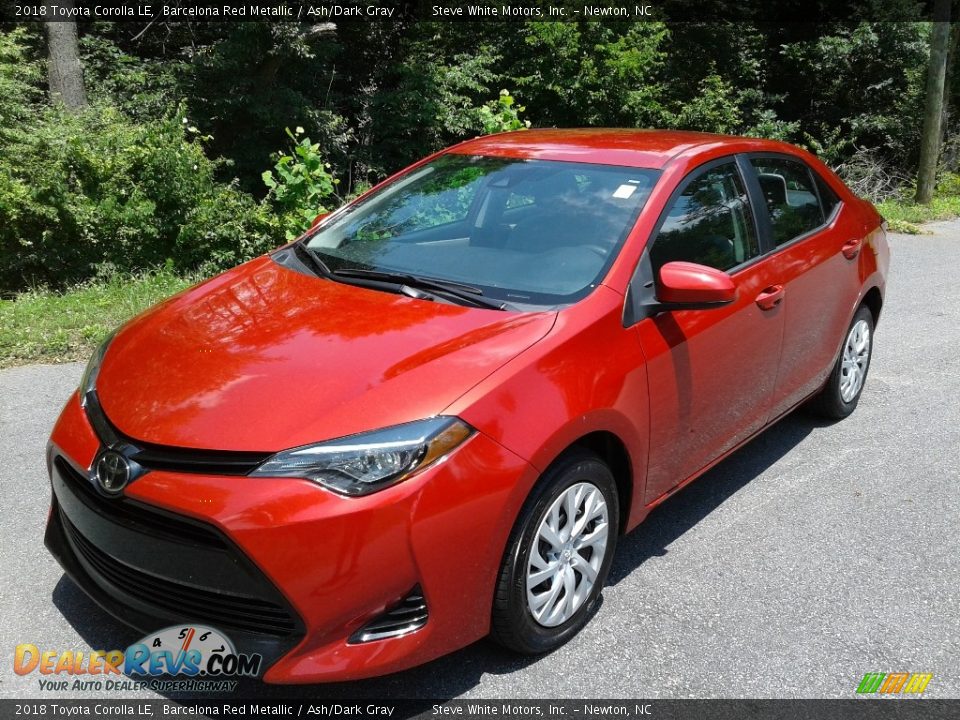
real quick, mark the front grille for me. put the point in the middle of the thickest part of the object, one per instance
(163, 457)
(409, 615)
(133, 514)
(223, 610)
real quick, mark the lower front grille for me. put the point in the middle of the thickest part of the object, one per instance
(150, 521)
(227, 611)
(408, 616)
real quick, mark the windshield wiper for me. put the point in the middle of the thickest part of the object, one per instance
(461, 291)
(313, 260)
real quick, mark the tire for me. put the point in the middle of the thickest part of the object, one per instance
(526, 620)
(839, 398)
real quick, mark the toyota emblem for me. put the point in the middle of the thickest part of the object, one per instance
(113, 472)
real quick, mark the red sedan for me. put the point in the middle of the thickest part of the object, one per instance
(430, 418)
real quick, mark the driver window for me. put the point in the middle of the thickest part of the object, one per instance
(710, 223)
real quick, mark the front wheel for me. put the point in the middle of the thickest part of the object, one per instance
(558, 557)
(841, 394)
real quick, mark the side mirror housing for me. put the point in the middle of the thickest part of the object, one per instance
(689, 286)
(318, 219)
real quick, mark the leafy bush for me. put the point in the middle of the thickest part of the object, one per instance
(714, 109)
(303, 186)
(949, 185)
(80, 190)
(501, 115)
(766, 124)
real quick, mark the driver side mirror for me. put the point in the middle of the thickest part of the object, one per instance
(689, 286)
(318, 219)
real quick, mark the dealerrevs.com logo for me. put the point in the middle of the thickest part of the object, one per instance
(195, 657)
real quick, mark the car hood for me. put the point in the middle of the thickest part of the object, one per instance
(266, 358)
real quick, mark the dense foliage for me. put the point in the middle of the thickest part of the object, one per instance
(175, 162)
(83, 193)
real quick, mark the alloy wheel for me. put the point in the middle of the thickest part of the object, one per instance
(566, 554)
(856, 355)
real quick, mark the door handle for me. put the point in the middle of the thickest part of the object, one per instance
(851, 248)
(769, 298)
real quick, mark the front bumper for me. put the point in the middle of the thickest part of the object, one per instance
(285, 567)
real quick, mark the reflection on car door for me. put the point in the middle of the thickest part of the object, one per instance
(810, 228)
(711, 372)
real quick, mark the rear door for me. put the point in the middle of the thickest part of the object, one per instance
(711, 372)
(815, 260)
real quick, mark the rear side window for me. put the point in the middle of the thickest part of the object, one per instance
(791, 197)
(710, 223)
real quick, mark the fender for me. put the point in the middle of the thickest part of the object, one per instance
(587, 375)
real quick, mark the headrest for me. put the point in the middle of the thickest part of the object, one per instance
(774, 188)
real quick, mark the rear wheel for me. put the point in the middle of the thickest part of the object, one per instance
(841, 394)
(558, 557)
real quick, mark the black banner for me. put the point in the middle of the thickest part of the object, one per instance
(856, 709)
(319, 11)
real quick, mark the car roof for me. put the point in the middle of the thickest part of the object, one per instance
(630, 147)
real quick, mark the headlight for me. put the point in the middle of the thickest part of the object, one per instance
(89, 380)
(368, 462)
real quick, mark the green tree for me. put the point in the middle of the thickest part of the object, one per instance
(852, 86)
(600, 74)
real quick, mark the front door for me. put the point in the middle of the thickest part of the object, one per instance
(711, 372)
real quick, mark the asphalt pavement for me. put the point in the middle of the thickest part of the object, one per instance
(815, 554)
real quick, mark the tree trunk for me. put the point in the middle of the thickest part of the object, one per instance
(65, 75)
(933, 110)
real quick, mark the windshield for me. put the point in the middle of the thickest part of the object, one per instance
(535, 232)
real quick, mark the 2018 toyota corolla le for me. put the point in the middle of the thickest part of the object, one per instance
(429, 419)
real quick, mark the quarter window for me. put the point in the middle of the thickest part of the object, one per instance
(710, 223)
(791, 197)
(828, 198)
